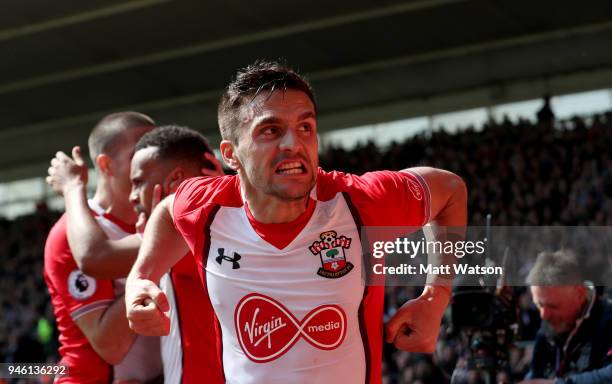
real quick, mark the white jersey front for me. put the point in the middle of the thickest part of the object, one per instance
(275, 308)
(171, 346)
(289, 298)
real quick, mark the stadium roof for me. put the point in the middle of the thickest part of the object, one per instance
(67, 63)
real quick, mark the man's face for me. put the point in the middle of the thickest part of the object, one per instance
(277, 145)
(147, 171)
(559, 306)
(120, 178)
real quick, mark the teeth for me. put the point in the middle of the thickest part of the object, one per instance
(292, 171)
(293, 164)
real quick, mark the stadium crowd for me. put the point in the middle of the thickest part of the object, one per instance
(27, 332)
(523, 173)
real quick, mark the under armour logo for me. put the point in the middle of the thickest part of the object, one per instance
(234, 260)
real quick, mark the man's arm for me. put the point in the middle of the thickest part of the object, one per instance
(108, 332)
(596, 376)
(94, 253)
(448, 196)
(416, 325)
(448, 215)
(162, 246)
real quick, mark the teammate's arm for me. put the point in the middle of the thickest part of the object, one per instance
(108, 332)
(94, 253)
(415, 326)
(162, 246)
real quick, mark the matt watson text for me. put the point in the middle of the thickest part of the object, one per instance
(431, 269)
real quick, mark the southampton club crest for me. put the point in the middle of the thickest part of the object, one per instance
(331, 251)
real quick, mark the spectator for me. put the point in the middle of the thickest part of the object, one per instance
(574, 342)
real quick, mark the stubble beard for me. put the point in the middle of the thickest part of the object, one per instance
(281, 194)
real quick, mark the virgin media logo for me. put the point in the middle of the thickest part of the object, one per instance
(266, 329)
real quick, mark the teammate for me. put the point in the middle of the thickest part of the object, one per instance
(163, 158)
(94, 334)
(278, 245)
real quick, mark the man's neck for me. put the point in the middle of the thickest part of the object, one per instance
(268, 209)
(103, 198)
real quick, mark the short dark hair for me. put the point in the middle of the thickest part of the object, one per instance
(555, 268)
(251, 81)
(176, 143)
(107, 131)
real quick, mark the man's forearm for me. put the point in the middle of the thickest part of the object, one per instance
(441, 234)
(597, 376)
(116, 330)
(162, 245)
(93, 252)
(448, 217)
(108, 331)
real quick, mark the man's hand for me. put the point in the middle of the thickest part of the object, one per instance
(416, 325)
(217, 171)
(142, 217)
(66, 172)
(146, 307)
(537, 381)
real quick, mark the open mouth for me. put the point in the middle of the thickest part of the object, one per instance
(291, 168)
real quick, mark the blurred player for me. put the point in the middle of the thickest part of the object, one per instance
(164, 158)
(91, 318)
(278, 245)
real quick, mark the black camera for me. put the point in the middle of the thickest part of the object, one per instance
(485, 321)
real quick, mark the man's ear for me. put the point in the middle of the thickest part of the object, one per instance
(103, 162)
(173, 180)
(581, 291)
(228, 152)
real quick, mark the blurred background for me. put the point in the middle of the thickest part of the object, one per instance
(514, 96)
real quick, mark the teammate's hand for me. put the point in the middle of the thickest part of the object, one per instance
(146, 308)
(217, 171)
(142, 216)
(66, 172)
(416, 324)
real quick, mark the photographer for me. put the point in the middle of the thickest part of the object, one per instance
(574, 343)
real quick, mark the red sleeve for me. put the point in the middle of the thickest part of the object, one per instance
(79, 293)
(186, 210)
(193, 202)
(386, 198)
